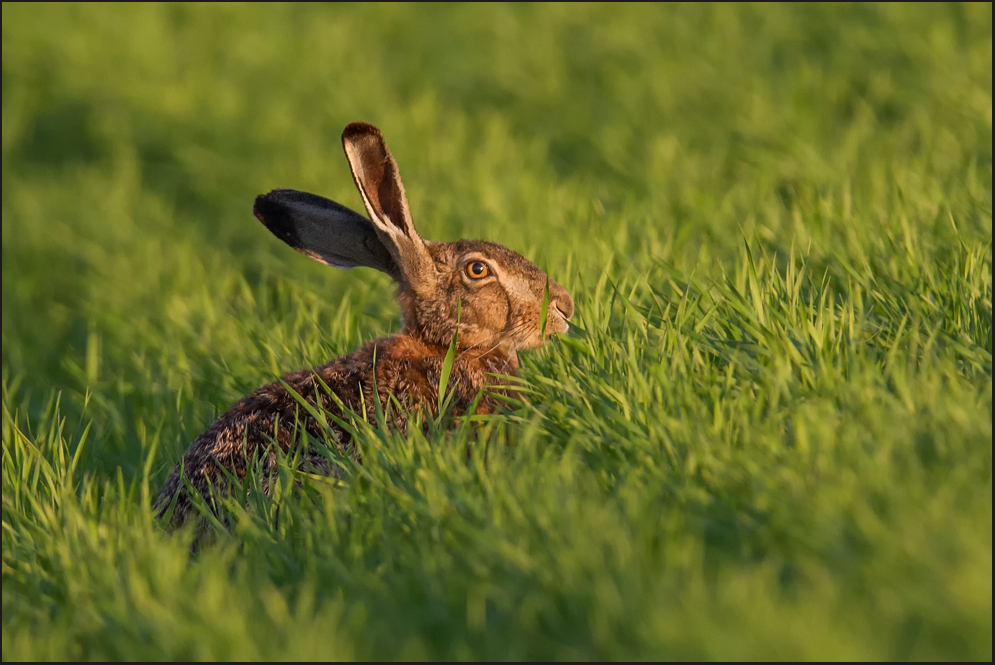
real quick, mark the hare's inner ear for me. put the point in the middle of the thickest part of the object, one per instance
(379, 183)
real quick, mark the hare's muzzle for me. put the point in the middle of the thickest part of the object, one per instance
(561, 303)
(561, 300)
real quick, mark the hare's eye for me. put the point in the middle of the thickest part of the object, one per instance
(477, 270)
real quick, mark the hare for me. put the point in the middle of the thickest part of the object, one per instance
(498, 293)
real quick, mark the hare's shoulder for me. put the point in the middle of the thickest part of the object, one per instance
(398, 365)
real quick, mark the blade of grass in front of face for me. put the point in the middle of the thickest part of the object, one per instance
(447, 362)
(544, 311)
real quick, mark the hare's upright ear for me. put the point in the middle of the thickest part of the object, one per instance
(379, 183)
(324, 230)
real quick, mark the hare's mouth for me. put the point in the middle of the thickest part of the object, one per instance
(558, 325)
(531, 334)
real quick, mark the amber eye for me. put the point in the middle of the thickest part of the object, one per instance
(477, 270)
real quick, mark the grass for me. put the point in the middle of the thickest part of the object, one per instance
(770, 436)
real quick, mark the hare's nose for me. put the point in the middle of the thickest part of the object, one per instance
(561, 300)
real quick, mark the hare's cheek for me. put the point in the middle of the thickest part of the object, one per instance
(491, 310)
(475, 337)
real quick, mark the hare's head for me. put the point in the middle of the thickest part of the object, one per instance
(497, 295)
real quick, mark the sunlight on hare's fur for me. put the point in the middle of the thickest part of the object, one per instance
(500, 298)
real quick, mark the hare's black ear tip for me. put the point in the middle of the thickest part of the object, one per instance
(354, 129)
(273, 211)
(274, 204)
(264, 207)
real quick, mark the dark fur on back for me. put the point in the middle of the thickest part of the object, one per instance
(405, 368)
(497, 295)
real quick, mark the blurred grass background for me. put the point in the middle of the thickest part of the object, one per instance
(770, 438)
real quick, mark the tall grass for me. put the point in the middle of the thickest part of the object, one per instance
(769, 435)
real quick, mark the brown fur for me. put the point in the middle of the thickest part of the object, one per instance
(498, 315)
